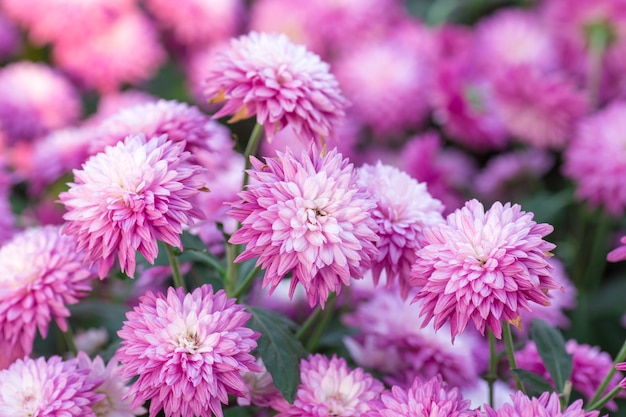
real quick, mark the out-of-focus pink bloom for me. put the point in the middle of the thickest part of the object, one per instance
(10, 41)
(198, 22)
(539, 109)
(330, 387)
(126, 198)
(619, 253)
(547, 405)
(478, 395)
(41, 272)
(195, 65)
(189, 351)
(127, 51)
(40, 387)
(92, 340)
(261, 389)
(404, 208)
(280, 82)
(35, 99)
(589, 367)
(294, 306)
(483, 266)
(306, 215)
(112, 103)
(600, 135)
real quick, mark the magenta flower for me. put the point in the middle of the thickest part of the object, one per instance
(424, 398)
(619, 253)
(189, 351)
(621, 367)
(481, 265)
(404, 208)
(329, 387)
(547, 405)
(128, 197)
(41, 272)
(40, 387)
(281, 83)
(10, 42)
(306, 216)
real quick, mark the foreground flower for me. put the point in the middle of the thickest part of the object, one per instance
(403, 209)
(281, 83)
(128, 197)
(306, 216)
(424, 398)
(41, 272)
(189, 351)
(621, 367)
(329, 387)
(40, 387)
(483, 266)
(547, 405)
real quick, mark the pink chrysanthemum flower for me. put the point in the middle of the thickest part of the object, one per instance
(618, 254)
(589, 367)
(621, 367)
(404, 208)
(51, 388)
(189, 351)
(306, 216)
(401, 351)
(424, 398)
(539, 109)
(330, 387)
(126, 198)
(484, 266)
(198, 22)
(127, 51)
(35, 100)
(280, 82)
(547, 405)
(600, 135)
(41, 272)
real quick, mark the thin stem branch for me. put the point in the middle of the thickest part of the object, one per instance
(179, 282)
(510, 353)
(231, 269)
(327, 314)
(596, 405)
(308, 324)
(621, 356)
(493, 363)
(599, 38)
(68, 336)
(251, 148)
(248, 280)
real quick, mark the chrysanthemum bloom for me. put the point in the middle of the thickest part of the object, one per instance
(281, 83)
(619, 253)
(306, 216)
(547, 405)
(600, 135)
(590, 366)
(126, 198)
(127, 51)
(115, 401)
(389, 340)
(261, 389)
(621, 367)
(35, 100)
(189, 351)
(486, 266)
(198, 22)
(539, 109)
(330, 387)
(41, 272)
(424, 398)
(404, 207)
(92, 340)
(40, 387)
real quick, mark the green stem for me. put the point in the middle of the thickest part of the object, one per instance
(68, 336)
(601, 402)
(308, 324)
(599, 37)
(597, 259)
(493, 364)
(251, 148)
(327, 314)
(179, 282)
(248, 280)
(231, 269)
(621, 356)
(510, 353)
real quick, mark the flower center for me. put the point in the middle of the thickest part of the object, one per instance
(189, 341)
(102, 407)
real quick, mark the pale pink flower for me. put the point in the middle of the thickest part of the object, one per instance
(110, 104)
(51, 388)
(618, 254)
(195, 65)
(188, 350)
(261, 389)
(404, 208)
(547, 405)
(306, 216)
(330, 387)
(92, 340)
(41, 273)
(424, 398)
(600, 135)
(478, 394)
(280, 82)
(126, 198)
(484, 266)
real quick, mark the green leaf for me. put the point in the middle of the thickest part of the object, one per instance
(551, 347)
(238, 412)
(534, 385)
(280, 350)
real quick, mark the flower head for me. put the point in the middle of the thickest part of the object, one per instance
(330, 387)
(547, 405)
(306, 216)
(481, 265)
(189, 351)
(404, 208)
(281, 83)
(128, 197)
(619, 253)
(41, 272)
